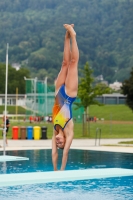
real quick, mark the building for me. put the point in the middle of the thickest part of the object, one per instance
(115, 98)
(13, 99)
(16, 66)
(115, 86)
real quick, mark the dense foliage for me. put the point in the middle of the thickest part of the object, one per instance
(127, 89)
(35, 34)
(15, 79)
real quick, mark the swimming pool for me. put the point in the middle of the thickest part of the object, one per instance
(97, 189)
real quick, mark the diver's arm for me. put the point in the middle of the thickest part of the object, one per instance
(65, 151)
(64, 160)
(54, 153)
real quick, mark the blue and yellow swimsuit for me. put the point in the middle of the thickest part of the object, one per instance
(62, 109)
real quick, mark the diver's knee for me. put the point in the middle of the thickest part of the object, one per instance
(65, 63)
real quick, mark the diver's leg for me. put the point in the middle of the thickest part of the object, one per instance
(66, 61)
(71, 82)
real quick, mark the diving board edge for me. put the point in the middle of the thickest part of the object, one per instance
(61, 176)
(6, 158)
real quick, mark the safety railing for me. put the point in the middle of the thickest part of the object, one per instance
(98, 136)
(4, 137)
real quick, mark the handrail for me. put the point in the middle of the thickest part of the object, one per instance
(98, 130)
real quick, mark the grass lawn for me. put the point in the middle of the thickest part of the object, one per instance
(112, 112)
(126, 142)
(107, 130)
(12, 110)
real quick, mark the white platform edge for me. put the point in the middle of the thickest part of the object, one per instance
(60, 176)
(5, 158)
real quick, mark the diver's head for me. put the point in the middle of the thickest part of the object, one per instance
(60, 138)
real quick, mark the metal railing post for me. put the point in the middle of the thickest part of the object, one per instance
(98, 131)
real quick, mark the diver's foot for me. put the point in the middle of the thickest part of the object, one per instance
(70, 29)
(67, 32)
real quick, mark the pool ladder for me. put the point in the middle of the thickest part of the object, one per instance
(98, 133)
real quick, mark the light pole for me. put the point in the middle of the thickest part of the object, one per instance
(6, 84)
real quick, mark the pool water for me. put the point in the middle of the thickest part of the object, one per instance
(120, 188)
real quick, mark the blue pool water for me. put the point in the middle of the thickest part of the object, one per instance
(120, 188)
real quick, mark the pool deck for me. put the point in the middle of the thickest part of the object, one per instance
(86, 144)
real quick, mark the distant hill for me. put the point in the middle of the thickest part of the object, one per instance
(35, 33)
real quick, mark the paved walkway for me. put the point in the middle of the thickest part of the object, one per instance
(88, 144)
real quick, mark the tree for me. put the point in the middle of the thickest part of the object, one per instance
(87, 92)
(127, 89)
(15, 79)
(35, 33)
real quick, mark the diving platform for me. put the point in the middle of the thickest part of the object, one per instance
(61, 176)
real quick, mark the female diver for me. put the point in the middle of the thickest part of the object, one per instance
(66, 88)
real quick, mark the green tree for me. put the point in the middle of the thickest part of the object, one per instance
(87, 92)
(127, 89)
(35, 33)
(15, 79)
